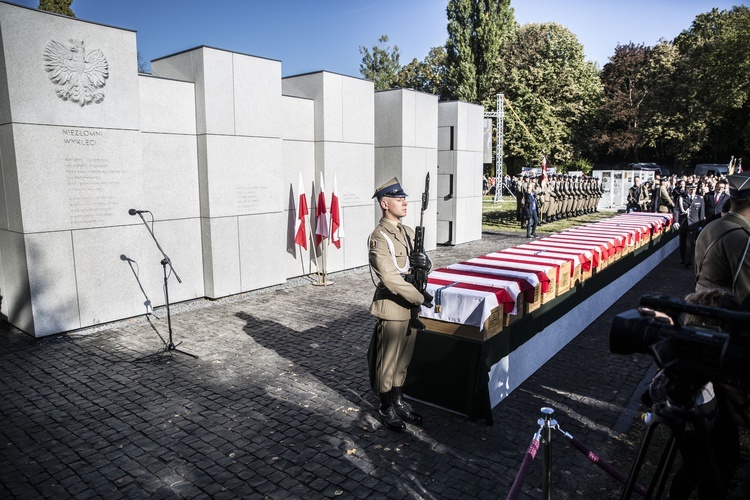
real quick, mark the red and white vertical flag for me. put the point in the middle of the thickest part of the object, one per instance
(739, 166)
(544, 167)
(300, 233)
(337, 226)
(321, 215)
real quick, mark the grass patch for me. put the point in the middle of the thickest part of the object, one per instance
(501, 217)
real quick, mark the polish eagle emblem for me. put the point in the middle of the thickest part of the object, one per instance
(78, 74)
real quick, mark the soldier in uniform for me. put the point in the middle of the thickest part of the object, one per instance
(396, 305)
(578, 190)
(543, 200)
(549, 188)
(663, 203)
(521, 189)
(569, 196)
(722, 252)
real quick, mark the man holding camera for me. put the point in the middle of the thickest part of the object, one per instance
(634, 195)
(396, 305)
(722, 251)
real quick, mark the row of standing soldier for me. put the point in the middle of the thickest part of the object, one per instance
(560, 197)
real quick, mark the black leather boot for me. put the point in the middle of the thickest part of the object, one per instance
(388, 414)
(403, 409)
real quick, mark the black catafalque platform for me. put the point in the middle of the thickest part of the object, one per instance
(471, 376)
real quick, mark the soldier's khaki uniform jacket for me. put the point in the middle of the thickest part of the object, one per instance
(394, 297)
(724, 264)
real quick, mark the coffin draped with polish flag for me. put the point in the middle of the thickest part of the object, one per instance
(476, 298)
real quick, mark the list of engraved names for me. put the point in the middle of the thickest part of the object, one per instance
(93, 183)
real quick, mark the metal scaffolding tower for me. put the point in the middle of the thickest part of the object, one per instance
(499, 116)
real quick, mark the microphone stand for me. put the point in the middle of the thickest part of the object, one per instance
(170, 346)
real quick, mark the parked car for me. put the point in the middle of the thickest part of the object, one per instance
(664, 171)
(711, 168)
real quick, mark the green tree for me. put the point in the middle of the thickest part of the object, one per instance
(625, 88)
(711, 86)
(477, 32)
(381, 66)
(427, 75)
(144, 66)
(661, 118)
(553, 95)
(57, 6)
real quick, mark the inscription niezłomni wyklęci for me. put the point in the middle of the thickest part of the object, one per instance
(77, 73)
(81, 137)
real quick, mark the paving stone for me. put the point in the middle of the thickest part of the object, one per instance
(281, 384)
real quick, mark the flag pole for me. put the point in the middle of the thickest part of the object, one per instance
(325, 261)
(312, 241)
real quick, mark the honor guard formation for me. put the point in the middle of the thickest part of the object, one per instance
(557, 197)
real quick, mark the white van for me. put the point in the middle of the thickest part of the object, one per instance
(711, 168)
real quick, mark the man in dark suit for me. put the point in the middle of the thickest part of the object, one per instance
(715, 200)
(690, 214)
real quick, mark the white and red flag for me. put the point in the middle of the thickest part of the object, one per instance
(321, 215)
(337, 226)
(300, 231)
(544, 167)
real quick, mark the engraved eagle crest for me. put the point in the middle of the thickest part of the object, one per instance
(79, 74)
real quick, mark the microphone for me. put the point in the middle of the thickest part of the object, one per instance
(133, 211)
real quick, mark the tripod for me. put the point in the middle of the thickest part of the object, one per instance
(678, 418)
(170, 345)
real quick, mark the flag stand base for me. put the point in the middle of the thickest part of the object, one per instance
(325, 283)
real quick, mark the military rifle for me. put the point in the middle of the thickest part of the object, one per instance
(419, 275)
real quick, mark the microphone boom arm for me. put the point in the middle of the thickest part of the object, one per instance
(166, 259)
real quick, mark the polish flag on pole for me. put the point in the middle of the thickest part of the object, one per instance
(300, 233)
(321, 215)
(544, 167)
(337, 227)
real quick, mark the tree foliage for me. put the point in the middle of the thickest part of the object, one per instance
(625, 89)
(710, 84)
(477, 32)
(689, 96)
(427, 75)
(57, 6)
(381, 65)
(144, 66)
(678, 102)
(553, 95)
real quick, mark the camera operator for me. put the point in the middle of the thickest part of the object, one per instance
(714, 410)
(722, 250)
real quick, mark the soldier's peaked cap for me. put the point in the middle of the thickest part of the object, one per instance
(739, 185)
(392, 189)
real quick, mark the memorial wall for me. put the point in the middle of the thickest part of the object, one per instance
(460, 169)
(212, 145)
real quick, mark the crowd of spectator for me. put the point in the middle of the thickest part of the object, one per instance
(712, 214)
(693, 200)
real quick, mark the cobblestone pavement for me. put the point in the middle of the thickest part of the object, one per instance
(277, 405)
